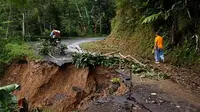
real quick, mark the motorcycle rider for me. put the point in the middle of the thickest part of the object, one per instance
(55, 34)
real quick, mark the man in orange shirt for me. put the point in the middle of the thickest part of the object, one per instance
(158, 48)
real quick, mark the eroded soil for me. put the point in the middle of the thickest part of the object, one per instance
(47, 85)
(66, 89)
(148, 96)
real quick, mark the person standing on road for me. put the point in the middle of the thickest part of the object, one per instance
(158, 48)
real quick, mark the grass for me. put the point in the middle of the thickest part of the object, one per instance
(14, 49)
(99, 46)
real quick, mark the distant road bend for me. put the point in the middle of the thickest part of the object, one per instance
(72, 46)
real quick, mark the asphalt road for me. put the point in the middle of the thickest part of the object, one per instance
(72, 47)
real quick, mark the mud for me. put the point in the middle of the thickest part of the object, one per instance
(148, 96)
(62, 89)
(66, 89)
(163, 95)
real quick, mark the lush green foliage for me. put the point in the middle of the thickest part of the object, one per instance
(14, 49)
(17, 51)
(144, 72)
(8, 102)
(89, 60)
(46, 47)
(72, 17)
(176, 20)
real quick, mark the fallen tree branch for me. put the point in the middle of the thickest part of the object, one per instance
(111, 53)
(132, 58)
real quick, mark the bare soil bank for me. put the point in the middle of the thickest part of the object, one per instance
(67, 89)
(58, 88)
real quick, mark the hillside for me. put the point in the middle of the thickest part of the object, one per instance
(136, 22)
(133, 33)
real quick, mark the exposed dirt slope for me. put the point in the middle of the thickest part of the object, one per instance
(187, 76)
(58, 88)
(147, 96)
(67, 88)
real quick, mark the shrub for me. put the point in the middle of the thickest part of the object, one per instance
(88, 60)
(14, 48)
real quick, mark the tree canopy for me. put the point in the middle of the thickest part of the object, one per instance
(72, 17)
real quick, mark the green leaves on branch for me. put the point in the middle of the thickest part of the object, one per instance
(83, 60)
(154, 17)
(19, 3)
(162, 13)
(151, 18)
(7, 22)
(46, 47)
(148, 73)
(8, 102)
(89, 60)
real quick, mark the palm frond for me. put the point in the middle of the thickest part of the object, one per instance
(151, 18)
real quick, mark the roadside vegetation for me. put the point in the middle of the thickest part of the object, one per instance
(100, 47)
(12, 49)
(84, 60)
(90, 60)
(46, 48)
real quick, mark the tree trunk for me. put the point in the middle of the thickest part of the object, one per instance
(27, 25)
(173, 32)
(88, 22)
(40, 25)
(81, 17)
(9, 17)
(23, 25)
(50, 27)
(95, 27)
(69, 23)
(100, 26)
(96, 23)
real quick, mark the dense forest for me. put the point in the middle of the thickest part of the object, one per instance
(39, 17)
